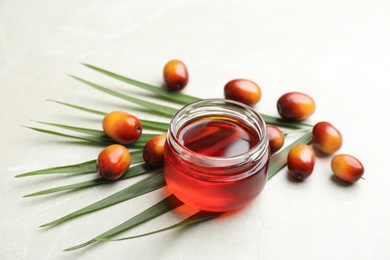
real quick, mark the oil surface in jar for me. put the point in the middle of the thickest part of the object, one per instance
(217, 137)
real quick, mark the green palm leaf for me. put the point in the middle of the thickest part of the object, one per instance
(92, 141)
(95, 140)
(195, 218)
(173, 96)
(158, 109)
(130, 173)
(283, 123)
(164, 206)
(145, 137)
(153, 182)
(154, 125)
(94, 132)
(80, 168)
(92, 111)
(147, 124)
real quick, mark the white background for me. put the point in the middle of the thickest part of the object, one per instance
(336, 51)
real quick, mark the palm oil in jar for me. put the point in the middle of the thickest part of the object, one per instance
(216, 155)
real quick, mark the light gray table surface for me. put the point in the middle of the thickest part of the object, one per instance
(336, 51)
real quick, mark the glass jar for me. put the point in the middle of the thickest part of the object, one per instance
(216, 155)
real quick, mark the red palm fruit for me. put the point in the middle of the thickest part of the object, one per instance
(122, 127)
(276, 138)
(347, 168)
(300, 161)
(326, 138)
(113, 161)
(175, 75)
(243, 90)
(295, 106)
(153, 152)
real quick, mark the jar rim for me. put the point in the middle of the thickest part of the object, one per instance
(258, 124)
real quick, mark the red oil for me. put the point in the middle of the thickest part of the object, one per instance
(218, 138)
(212, 187)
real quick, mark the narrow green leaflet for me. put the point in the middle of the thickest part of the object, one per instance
(131, 172)
(279, 160)
(154, 125)
(145, 137)
(196, 218)
(165, 205)
(159, 109)
(92, 111)
(98, 134)
(94, 132)
(96, 140)
(173, 96)
(282, 122)
(136, 157)
(92, 141)
(298, 130)
(80, 168)
(147, 124)
(153, 182)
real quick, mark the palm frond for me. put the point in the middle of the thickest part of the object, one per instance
(130, 173)
(173, 96)
(158, 109)
(153, 182)
(195, 218)
(92, 111)
(164, 206)
(80, 168)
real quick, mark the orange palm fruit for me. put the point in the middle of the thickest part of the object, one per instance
(347, 168)
(300, 161)
(296, 106)
(113, 161)
(243, 90)
(326, 138)
(175, 75)
(122, 127)
(276, 138)
(153, 152)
